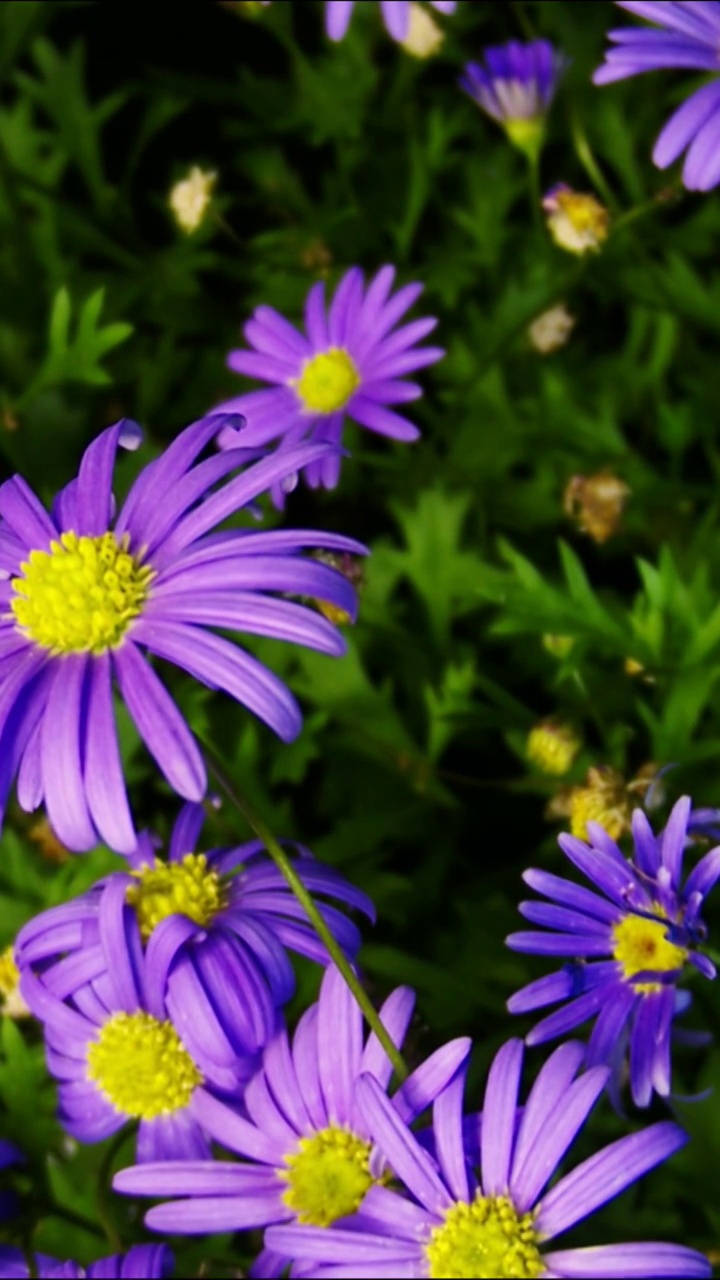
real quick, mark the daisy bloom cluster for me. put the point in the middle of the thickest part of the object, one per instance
(478, 1205)
(306, 1150)
(626, 946)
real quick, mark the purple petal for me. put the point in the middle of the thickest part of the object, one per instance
(552, 917)
(553, 1081)
(175, 1136)
(332, 1244)
(647, 846)
(271, 332)
(266, 1115)
(221, 665)
(244, 611)
(337, 17)
(559, 944)
(104, 781)
(675, 833)
(613, 1015)
(499, 1116)
(27, 518)
(245, 574)
(93, 495)
(643, 1047)
(160, 724)
(209, 1215)
(62, 753)
(448, 1130)
(429, 1079)
(306, 1066)
(315, 319)
(704, 875)
(283, 1081)
(193, 1178)
(384, 421)
(186, 832)
(339, 1045)
(627, 1261)
(605, 1175)
(118, 933)
(231, 1131)
(548, 990)
(701, 168)
(395, 1016)
(396, 15)
(400, 1148)
(63, 1021)
(555, 1138)
(564, 1020)
(165, 941)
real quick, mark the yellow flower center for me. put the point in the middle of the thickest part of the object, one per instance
(486, 1238)
(328, 1176)
(641, 945)
(579, 223)
(141, 1066)
(81, 595)
(327, 381)
(183, 888)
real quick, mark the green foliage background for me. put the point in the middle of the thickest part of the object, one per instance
(410, 773)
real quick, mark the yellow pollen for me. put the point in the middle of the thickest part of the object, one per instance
(328, 1175)
(11, 1002)
(641, 946)
(183, 888)
(486, 1238)
(327, 381)
(81, 595)
(552, 747)
(141, 1066)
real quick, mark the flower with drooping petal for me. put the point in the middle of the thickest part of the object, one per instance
(215, 927)
(496, 1221)
(395, 13)
(117, 1055)
(686, 36)
(351, 361)
(84, 594)
(141, 1262)
(307, 1153)
(627, 946)
(516, 86)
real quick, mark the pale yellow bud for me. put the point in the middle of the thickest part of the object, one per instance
(189, 199)
(12, 1004)
(552, 746)
(424, 36)
(577, 221)
(550, 331)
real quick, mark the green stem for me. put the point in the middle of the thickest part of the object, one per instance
(101, 1204)
(286, 868)
(588, 161)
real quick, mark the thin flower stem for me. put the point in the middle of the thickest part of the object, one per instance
(285, 866)
(589, 163)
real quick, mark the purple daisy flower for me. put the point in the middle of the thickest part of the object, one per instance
(647, 924)
(690, 38)
(452, 1223)
(215, 927)
(84, 594)
(396, 16)
(117, 1057)
(306, 1147)
(352, 362)
(516, 86)
(142, 1262)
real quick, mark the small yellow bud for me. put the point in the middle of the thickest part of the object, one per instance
(49, 847)
(577, 221)
(552, 746)
(189, 198)
(596, 503)
(424, 36)
(551, 330)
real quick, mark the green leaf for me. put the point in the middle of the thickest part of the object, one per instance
(75, 357)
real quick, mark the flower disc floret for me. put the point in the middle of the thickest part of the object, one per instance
(141, 1066)
(327, 382)
(81, 595)
(328, 1176)
(486, 1238)
(642, 946)
(188, 887)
